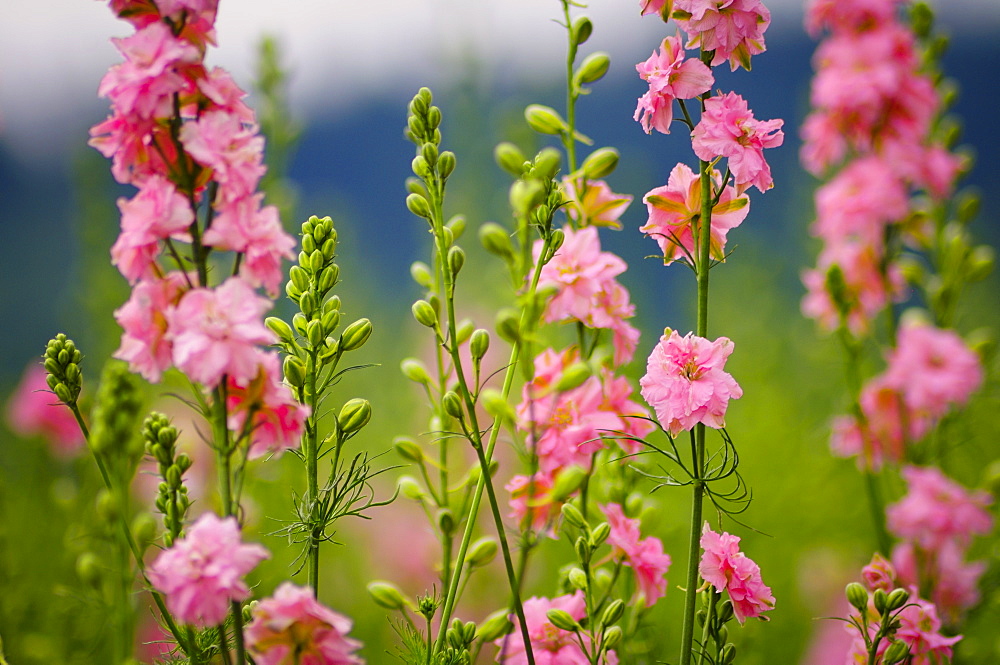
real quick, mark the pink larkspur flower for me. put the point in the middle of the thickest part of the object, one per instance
(643, 555)
(219, 87)
(936, 510)
(597, 205)
(933, 368)
(156, 213)
(879, 574)
(920, 630)
(293, 628)
(848, 15)
(685, 382)
(860, 202)
(734, 29)
(277, 420)
(549, 645)
(146, 343)
(670, 76)
(954, 583)
(728, 129)
(532, 502)
(675, 208)
(725, 567)
(215, 332)
(235, 152)
(579, 270)
(661, 7)
(34, 410)
(203, 572)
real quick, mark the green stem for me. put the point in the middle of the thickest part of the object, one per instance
(312, 475)
(709, 628)
(569, 139)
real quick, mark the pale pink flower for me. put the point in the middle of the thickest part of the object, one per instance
(675, 208)
(134, 146)
(618, 393)
(277, 420)
(146, 345)
(726, 568)
(655, 7)
(219, 87)
(849, 15)
(293, 628)
(156, 213)
(596, 205)
(670, 76)
(920, 629)
(580, 271)
(879, 574)
(936, 510)
(685, 382)
(954, 583)
(728, 129)
(609, 310)
(221, 142)
(532, 502)
(933, 368)
(34, 409)
(203, 572)
(215, 332)
(644, 556)
(549, 645)
(860, 202)
(734, 29)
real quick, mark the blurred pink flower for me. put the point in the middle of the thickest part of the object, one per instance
(937, 510)
(293, 628)
(728, 129)
(146, 345)
(675, 208)
(531, 500)
(670, 76)
(848, 15)
(215, 332)
(597, 205)
(685, 382)
(879, 574)
(860, 202)
(954, 583)
(549, 645)
(202, 573)
(734, 29)
(34, 409)
(580, 271)
(725, 567)
(920, 630)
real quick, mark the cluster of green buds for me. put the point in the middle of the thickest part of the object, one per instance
(115, 418)
(879, 609)
(62, 362)
(172, 498)
(713, 617)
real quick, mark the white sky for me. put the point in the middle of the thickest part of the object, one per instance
(337, 50)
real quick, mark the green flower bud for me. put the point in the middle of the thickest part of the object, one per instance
(896, 653)
(314, 333)
(544, 119)
(433, 117)
(456, 224)
(577, 578)
(307, 303)
(183, 462)
(613, 612)
(316, 261)
(573, 515)
(612, 636)
(495, 626)
(897, 598)
(496, 406)
(410, 488)
(446, 522)
(573, 377)
(725, 612)
(452, 404)
(418, 205)
(355, 335)
(456, 259)
(857, 596)
(308, 244)
(328, 278)
(728, 654)
(282, 330)
(408, 449)
(967, 207)
(330, 321)
(495, 240)
(510, 158)
(508, 326)
(429, 152)
(293, 292)
(600, 163)
(482, 552)
(981, 262)
(386, 595)
(593, 68)
(173, 476)
(421, 274)
(427, 607)
(568, 480)
(116, 415)
(424, 313)
(464, 331)
(88, 569)
(561, 619)
(107, 506)
(294, 371)
(144, 528)
(414, 370)
(479, 344)
(599, 534)
(880, 598)
(299, 322)
(547, 163)
(354, 415)
(581, 30)
(446, 164)
(447, 236)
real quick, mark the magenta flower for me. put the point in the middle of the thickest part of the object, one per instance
(34, 410)
(644, 556)
(937, 510)
(728, 129)
(293, 628)
(146, 345)
(670, 76)
(685, 382)
(734, 29)
(202, 573)
(726, 568)
(675, 208)
(215, 333)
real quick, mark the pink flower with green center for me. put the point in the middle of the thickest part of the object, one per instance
(686, 384)
(670, 76)
(674, 211)
(726, 568)
(733, 29)
(293, 628)
(728, 129)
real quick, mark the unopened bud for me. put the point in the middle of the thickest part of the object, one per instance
(544, 119)
(418, 205)
(408, 449)
(456, 259)
(482, 552)
(354, 415)
(593, 68)
(495, 404)
(386, 595)
(282, 330)
(612, 636)
(510, 158)
(479, 344)
(600, 163)
(410, 488)
(508, 326)
(896, 653)
(573, 515)
(573, 377)
(561, 619)
(599, 534)
(568, 480)
(577, 578)
(880, 598)
(897, 598)
(414, 370)
(581, 30)
(613, 612)
(355, 335)
(857, 596)
(495, 626)
(421, 274)
(457, 225)
(446, 163)
(495, 240)
(424, 313)
(547, 163)
(452, 404)
(446, 522)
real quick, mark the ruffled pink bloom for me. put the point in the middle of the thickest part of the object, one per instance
(954, 583)
(618, 393)
(243, 226)
(549, 645)
(277, 420)
(203, 572)
(33, 409)
(221, 142)
(156, 213)
(920, 630)
(670, 76)
(879, 574)
(734, 29)
(215, 333)
(146, 345)
(675, 208)
(610, 309)
(849, 15)
(580, 271)
(644, 556)
(154, 70)
(725, 567)
(728, 129)
(860, 202)
(654, 7)
(597, 205)
(293, 628)
(685, 382)
(531, 497)
(933, 369)
(219, 87)
(937, 510)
